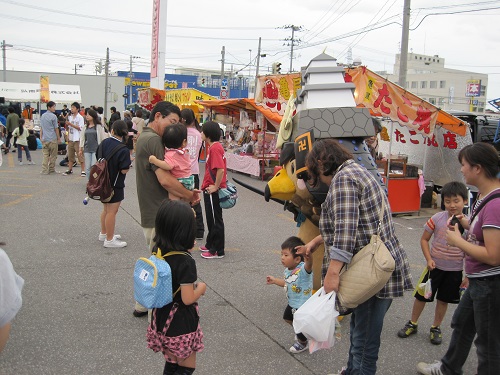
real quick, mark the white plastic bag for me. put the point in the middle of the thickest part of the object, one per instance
(428, 289)
(316, 317)
(317, 345)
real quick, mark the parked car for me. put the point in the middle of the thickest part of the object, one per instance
(483, 128)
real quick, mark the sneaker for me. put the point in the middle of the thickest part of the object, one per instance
(83, 174)
(31, 162)
(67, 173)
(298, 347)
(436, 337)
(209, 255)
(429, 368)
(20, 163)
(75, 164)
(102, 237)
(204, 249)
(408, 329)
(114, 243)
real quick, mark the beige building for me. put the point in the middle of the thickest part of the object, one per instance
(446, 88)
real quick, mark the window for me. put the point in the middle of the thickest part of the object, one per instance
(432, 100)
(442, 84)
(483, 90)
(414, 84)
(433, 84)
(423, 84)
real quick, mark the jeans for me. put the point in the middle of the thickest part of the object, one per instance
(213, 212)
(20, 152)
(90, 160)
(476, 316)
(367, 321)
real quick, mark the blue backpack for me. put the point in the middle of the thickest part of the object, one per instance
(153, 280)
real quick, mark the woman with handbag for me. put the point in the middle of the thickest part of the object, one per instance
(350, 216)
(476, 316)
(93, 133)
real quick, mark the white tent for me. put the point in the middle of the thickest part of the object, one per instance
(30, 92)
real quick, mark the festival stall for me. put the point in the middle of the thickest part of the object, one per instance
(253, 124)
(421, 136)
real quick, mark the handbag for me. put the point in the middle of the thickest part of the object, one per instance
(228, 195)
(368, 271)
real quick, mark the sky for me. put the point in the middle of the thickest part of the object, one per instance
(57, 35)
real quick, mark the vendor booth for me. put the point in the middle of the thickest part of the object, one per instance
(413, 130)
(30, 92)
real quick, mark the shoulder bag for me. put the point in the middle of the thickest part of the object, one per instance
(368, 271)
(228, 195)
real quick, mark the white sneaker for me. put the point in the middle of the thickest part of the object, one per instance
(298, 347)
(102, 237)
(31, 163)
(114, 243)
(20, 163)
(429, 368)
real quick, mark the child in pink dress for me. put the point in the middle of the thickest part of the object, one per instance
(177, 159)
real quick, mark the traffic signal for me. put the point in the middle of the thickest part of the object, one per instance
(276, 68)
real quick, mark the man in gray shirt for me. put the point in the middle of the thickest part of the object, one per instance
(49, 135)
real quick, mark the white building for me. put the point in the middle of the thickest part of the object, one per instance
(446, 88)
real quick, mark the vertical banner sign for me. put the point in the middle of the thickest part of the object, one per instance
(154, 38)
(44, 89)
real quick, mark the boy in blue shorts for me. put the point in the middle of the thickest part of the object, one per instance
(444, 263)
(298, 283)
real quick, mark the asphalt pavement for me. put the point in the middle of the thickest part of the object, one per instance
(78, 296)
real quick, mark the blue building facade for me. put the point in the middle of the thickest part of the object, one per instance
(238, 86)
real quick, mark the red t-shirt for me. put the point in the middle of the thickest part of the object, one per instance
(215, 160)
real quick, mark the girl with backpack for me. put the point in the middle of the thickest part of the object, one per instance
(93, 133)
(175, 328)
(118, 165)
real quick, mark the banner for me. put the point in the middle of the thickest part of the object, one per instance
(473, 87)
(147, 98)
(44, 89)
(385, 98)
(273, 92)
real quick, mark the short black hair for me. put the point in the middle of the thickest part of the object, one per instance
(455, 189)
(76, 105)
(174, 135)
(113, 109)
(51, 104)
(11, 109)
(165, 108)
(291, 243)
(212, 131)
(175, 226)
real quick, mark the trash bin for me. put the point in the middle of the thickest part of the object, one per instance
(426, 199)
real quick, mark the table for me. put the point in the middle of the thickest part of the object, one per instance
(244, 164)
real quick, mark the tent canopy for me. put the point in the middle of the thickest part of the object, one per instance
(233, 107)
(30, 92)
(385, 98)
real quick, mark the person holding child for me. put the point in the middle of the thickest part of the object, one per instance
(175, 328)
(298, 283)
(444, 263)
(176, 159)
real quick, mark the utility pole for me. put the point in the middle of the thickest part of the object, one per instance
(257, 69)
(223, 53)
(292, 41)
(4, 57)
(130, 76)
(403, 56)
(106, 73)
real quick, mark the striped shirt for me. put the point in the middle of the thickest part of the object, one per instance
(349, 217)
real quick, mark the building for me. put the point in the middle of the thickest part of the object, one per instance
(446, 88)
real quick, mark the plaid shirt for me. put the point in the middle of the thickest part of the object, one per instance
(349, 217)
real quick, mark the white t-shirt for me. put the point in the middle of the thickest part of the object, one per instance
(74, 134)
(11, 285)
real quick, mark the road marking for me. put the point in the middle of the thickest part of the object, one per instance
(22, 197)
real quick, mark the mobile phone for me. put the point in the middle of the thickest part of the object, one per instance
(454, 221)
